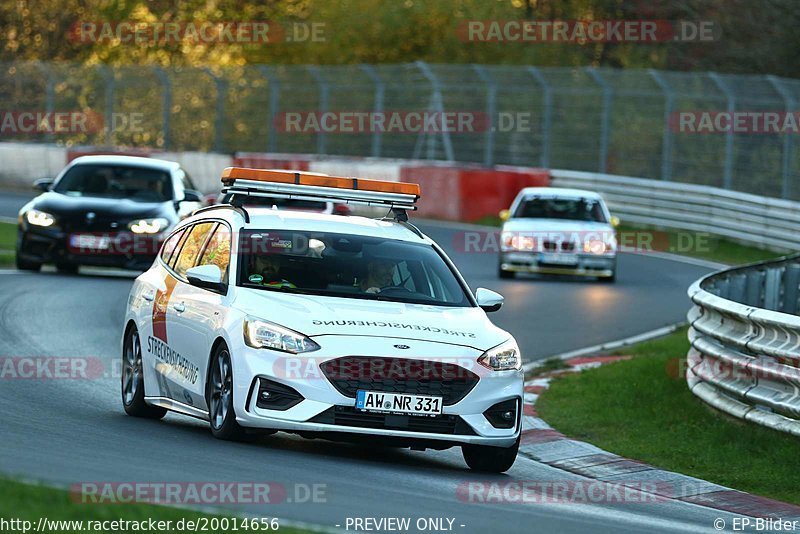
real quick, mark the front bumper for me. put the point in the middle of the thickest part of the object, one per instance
(51, 245)
(326, 412)
(602, 266)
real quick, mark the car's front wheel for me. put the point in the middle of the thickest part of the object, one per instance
(133, 380)
(490, 459)
(219, 393)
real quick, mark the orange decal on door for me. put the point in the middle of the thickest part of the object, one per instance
(160, 309)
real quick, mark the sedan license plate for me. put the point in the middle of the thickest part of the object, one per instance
(89, 242)
(378, 401)
(558, 259)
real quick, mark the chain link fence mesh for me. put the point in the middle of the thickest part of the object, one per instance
(600, 120)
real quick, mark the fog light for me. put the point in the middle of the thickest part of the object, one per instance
(508, 416)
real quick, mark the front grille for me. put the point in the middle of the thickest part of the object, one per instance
(439, 424)
(553, 246)
(399, 375)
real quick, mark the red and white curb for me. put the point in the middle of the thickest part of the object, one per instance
(544, 444)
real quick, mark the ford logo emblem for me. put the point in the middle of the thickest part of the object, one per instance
(403, 347)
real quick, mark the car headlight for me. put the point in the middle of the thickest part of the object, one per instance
(148, 226)
(597, 246)
(261, 334)
(504, 357)
(39, 218)
(517, 241)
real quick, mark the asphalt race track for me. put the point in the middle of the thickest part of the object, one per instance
(71, 431)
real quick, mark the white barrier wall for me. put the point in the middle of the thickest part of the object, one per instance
(22, 163)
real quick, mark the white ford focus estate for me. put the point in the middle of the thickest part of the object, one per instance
(347, 328)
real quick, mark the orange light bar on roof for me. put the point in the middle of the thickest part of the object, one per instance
(303, 178)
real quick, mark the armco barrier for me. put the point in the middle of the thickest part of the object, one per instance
(765, 222)
(745, 342)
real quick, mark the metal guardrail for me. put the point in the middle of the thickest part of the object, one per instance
(765, 222)
(745, 342)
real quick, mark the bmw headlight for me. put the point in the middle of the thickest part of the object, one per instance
(504, 357)
(261, 334)
(148, 226)
(597, 246)
(39, 218)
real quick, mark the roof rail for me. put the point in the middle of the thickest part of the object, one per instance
(239, 209)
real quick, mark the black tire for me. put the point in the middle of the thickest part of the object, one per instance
(505, 275)
(23, 265)
(219, 395)
(487, 459)
(132, 382)
(67, 268)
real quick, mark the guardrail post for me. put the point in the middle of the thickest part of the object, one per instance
(755, 281)
(219, 114)
(437, 104)
(791, 287)
(666, 143)
(377, 105)
(166, 103)
(491, 112)
(547, 118)
(727, 178)
(786, 164)
(274, 100)
(772, 288)
(323, 103)
(737, 287)
(605, 120)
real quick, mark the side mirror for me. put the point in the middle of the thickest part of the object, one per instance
(206, 277)
(614, 221)
(190, 195)
(488, 300)
(504, 215)
(43, 184)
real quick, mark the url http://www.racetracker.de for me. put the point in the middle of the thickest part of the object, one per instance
(200, 524)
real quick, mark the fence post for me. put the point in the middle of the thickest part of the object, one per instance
(110, 80)
(49, 102)
(786, 163)
(605, 120)
(219, 114)
(491, 112)
(438, 105)
(323, 103)
(727, 178)
(274, 100)
(377, 106)
(547, 120)
(166, 103)
(666, 144)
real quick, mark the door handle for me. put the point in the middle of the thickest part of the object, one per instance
(179, 307)
(149, 296)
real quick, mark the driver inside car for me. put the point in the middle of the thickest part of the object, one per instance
(266, 272)
(379, 276)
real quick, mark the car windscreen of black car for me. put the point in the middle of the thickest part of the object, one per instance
(116, 181)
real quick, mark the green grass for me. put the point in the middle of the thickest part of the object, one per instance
(8, 240)
(642, 409)
(695, 244)
(31, 502)
(552, 364)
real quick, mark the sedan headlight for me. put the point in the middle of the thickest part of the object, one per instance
(517, 241)
(39, 218)
(265, 335)
(504, 357)
(148, 226)
(597, 246)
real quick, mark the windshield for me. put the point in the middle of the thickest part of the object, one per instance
(572, 209)
(341, 265)
(112, 181)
